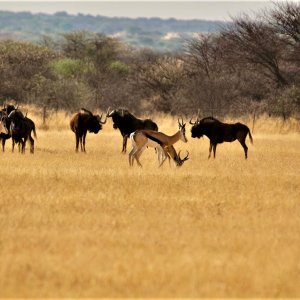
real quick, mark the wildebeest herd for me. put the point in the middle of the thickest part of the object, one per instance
(142, 133)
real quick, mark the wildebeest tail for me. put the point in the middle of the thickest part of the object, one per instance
(34, 132)
(250, 136)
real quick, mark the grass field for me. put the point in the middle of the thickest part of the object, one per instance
(87, 225)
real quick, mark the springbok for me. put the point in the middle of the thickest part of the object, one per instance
(141, 139)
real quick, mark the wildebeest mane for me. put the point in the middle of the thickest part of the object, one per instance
(84, 110)
(209, 120)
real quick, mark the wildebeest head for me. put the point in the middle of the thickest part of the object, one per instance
(9, 108)
(94, 122)
(200, 127)
(15, 115)
(196, 129)
(118, 116)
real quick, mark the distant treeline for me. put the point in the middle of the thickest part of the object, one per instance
(144, 32)
(250, 67)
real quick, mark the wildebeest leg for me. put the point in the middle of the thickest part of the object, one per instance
(210, 148)
(80, 141)
(83, 141)
(242, 142)
(214, 148)
(77, 142)
(124, 143)
(31, 140)
(3, 145)
(13, 145)
(23, 145)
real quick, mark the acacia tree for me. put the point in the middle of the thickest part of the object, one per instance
(20, 63)
(257, 46)
(211, 80)
(159, 76)
(285, 19)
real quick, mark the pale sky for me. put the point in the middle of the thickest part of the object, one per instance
(206, 10)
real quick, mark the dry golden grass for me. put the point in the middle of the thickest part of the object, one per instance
(86, 225)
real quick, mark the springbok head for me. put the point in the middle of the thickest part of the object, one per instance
(182, 130)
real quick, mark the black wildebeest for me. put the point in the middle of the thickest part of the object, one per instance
(128, 123)
(20, 128)
(82, 122)
(219, 132)
(5, 111)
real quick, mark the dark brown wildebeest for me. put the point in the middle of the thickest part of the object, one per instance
(20, 128)
(219, 132)
(4, 112)
(128, 123)
(82, 122)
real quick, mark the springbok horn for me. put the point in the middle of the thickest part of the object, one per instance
(185, 158)
(187, 155)
(179, 155)
(179, 122)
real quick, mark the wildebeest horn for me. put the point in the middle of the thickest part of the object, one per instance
(122, 112)
(192, 123)
(107, 112)
(100, 119)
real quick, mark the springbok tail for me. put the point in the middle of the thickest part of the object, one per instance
(250, 136)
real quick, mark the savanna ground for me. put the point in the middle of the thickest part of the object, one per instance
(87, 225)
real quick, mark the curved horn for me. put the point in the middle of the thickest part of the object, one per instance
(179, 124)
(107, 112)
(102, 122)
(185, 158)
(192, 123)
